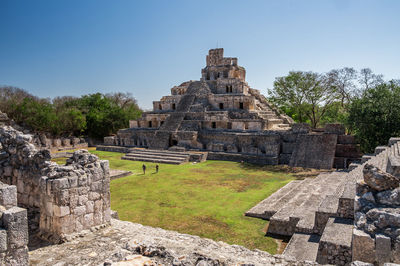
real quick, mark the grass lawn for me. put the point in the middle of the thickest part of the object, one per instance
(206, 199)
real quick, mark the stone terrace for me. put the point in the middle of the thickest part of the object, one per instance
(318, 213)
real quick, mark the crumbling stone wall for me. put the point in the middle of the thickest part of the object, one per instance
(62, 199)
(376, 236)
(13, 228)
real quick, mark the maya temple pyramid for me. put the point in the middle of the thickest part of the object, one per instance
(220, 112)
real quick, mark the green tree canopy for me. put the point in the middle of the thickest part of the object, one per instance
(96, 115)
(375, 116)
(306, 96)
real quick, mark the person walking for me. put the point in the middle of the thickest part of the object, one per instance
(156, 168)
(144, 169)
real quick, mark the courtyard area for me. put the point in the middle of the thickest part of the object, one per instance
(205, 199)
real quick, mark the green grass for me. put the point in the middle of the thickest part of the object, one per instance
(206, 199)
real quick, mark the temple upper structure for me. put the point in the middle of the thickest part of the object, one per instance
(220, 103)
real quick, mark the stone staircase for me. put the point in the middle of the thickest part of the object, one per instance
(303, 209)
(318, 213)
(264, 111)
(156, 156)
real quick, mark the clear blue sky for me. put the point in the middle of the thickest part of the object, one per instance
(54, 48)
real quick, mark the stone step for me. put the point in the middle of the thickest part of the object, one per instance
(302, 247)
(152, 156)
(329, 206)
(169, 152)
(335, 243)
(266, 208)
(152, 160)
(279, 204)
(307, 211)
(298, 214)
(275, 121)
(283, 125)
(267, 116)
(183, 156)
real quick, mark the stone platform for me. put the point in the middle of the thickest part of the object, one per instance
(124, 240)
(319, 213)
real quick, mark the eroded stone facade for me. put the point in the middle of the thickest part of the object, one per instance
(60, 199)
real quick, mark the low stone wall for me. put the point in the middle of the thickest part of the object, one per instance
(62, 199)
(13, 228)
(57, 144)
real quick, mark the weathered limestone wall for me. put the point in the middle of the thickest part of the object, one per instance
(13, 228)
(62, 199)
(376, 236)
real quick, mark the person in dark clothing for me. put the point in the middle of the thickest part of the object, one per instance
(156, 168)
(144, 169)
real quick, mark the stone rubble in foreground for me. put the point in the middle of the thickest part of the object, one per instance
(126, 243)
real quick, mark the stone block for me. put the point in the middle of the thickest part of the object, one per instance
(288, 147)
(56, 142)
(82, 190)
(3, 240)
(289, 136)
(75, 141)
(346, 139)
(83, 180)
(363, 247)
(66, 142)
(63, 197)
(8, 196)
(60, 183)
(15, 221)
(98, 206)
(107, 215)
(396, 251)
(88, 220)
(96, 186)
(60, 211)
(231, 148)
(382, 248)
(314, 151)
(284, 158)
(7, 171)
(348, 151)
(73, 181)
(82, 199)
(80, 210)
(89, 206)
(94, 196)
(66, 224)
(48, 208)
(301, 128)
(337, 129)
(379, 149)
(97, 218)
(393, 141)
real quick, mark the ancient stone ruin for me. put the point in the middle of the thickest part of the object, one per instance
(342, 216)
(58, 200)
(222, 115)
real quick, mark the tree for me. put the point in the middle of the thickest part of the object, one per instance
(375, 116)
(306, 95)
(343, 82)
(105, 116)
(368, 79)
